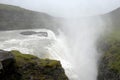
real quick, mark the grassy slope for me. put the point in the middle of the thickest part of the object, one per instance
(109, 68)
(11, 7)
(113, 52)
(13, 17)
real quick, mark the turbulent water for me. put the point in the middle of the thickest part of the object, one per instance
(33, 41)
(75, 46)
(39, 42)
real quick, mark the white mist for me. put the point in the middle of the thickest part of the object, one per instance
(82, 35)
(79, 35)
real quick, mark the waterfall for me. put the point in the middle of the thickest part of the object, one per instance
(76, 44)
(82, 35)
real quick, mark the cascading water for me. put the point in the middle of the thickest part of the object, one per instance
(43, 45)
(34, 43)
(82, 35)
(75, 46)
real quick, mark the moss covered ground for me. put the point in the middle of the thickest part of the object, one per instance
(113, 52)
(33, 68)
(109, 68)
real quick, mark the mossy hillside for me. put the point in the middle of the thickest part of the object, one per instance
(109, 68)
(9, 7)
(114, 35)
(113, 57)
(31, 67)
(113, 52)
(25, 58)
(14, 18)
(22, 59)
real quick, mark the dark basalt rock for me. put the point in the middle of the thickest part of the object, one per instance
(28, 33)
(41, 34)
(8, 69)
(17, 66)
(5, 55)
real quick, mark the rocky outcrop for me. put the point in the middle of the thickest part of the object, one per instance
(8, 69)
(17, 66)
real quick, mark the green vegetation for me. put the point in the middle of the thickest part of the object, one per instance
(14, 18)
(113, 56)
(114, 35)
(109, 68)
(33, 68)
(22, 59)
(19, 66)
(9, 7)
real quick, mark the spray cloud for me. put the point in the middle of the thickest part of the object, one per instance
(81, 32)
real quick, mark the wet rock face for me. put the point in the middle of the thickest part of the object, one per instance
(5, 55)
(7, 66)
(5, 59)
(17, 66)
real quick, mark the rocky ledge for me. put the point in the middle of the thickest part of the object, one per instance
(17, 66)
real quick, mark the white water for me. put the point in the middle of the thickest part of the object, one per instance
(75, 47)
(44, 47)
(34, 44)
(82, 35)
